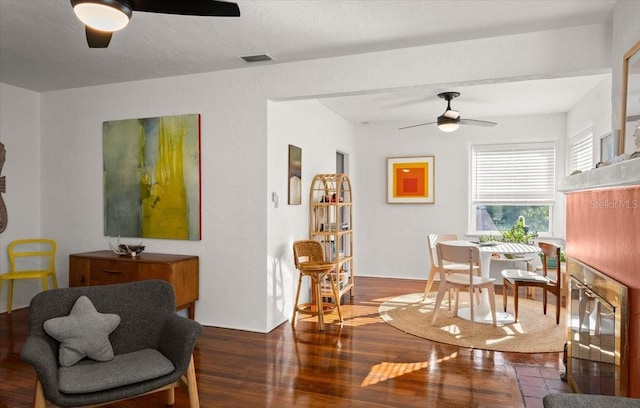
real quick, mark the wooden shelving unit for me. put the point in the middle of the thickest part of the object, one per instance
(331, 223)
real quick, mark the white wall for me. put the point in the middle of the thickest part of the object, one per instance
(234, 168)
(319, 133)
(20, 134)
(593, 110)
(236, 187)
(396, 244)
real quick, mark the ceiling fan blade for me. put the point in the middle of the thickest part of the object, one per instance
(475, 122)
(412, 126)
(97, 38)
(188, 7)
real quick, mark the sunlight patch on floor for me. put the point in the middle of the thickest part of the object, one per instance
(352, 316)
(387, 371)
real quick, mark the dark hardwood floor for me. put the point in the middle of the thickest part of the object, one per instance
(363, 363)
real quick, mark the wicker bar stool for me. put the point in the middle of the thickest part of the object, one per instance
(308, 256)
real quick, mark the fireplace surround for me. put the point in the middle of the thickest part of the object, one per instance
(603, 236)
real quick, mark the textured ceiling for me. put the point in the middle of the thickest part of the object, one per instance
(42, 44)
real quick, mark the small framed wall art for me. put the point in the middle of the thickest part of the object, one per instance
(410, 180)
(295, 175)
(609, 146)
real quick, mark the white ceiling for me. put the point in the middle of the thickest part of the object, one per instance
(43, 47)
(486, 101)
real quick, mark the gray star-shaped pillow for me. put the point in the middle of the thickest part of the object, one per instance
(84, 333)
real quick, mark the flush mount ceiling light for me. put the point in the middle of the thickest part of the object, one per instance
(450, 120)
(103, 15)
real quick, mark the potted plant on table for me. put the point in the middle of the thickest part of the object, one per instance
(519, 233)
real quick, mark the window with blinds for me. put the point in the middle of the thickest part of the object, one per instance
(581, 152)
(509, 181)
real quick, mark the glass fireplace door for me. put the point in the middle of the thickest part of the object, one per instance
(593, 354)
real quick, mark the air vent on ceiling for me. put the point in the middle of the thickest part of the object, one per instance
(257, 58)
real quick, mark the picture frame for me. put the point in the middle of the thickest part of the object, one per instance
(609, 143)
(629, 99)
(151, 177)
(411, 180)
(294, 175)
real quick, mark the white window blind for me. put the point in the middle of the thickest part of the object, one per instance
(581, 152)
(513, 174)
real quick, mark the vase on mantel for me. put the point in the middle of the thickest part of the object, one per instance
(636, 135)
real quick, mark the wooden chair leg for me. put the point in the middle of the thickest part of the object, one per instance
(515, 302)
(455, 310)
(336, 294)
(558, 308)
(171, 397)
(194, 400)
(10, 297)
(295, 304)
(319, 306)
(39, 401)
(472, 309)
(504, 294)
(427, 288)
(439, 298)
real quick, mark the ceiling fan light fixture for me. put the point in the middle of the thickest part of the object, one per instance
(103, 15)
(450, 120)
(451, 114)
(448, 125)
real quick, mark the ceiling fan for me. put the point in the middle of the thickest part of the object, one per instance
(450, 120)
(103, 17)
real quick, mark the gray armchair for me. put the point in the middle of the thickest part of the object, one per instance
(588, 401)
(149, 324)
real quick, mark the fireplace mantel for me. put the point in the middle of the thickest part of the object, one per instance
(624, 173)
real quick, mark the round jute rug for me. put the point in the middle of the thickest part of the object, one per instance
(534, 332)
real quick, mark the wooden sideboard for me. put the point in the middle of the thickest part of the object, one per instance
(105, 267)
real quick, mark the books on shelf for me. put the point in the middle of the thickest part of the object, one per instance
(333, 227)
(342, 279)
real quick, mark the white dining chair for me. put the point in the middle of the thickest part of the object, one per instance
(469, 255)
(449, 267)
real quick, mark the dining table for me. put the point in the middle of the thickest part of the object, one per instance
(483, 310)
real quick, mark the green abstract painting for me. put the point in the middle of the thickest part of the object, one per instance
(152, 177)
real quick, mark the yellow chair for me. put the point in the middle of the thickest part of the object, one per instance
(41, 265)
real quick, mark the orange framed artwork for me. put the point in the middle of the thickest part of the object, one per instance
(410, 180)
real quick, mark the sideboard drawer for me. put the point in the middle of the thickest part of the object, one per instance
(107, 272)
